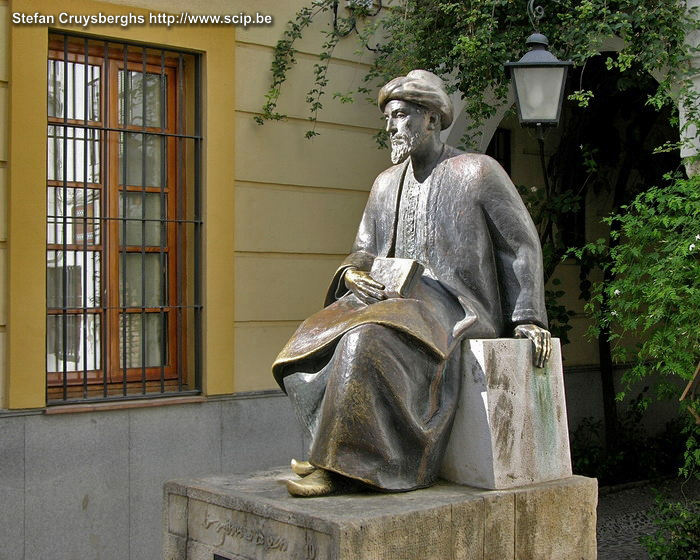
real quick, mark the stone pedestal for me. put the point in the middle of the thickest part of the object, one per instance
(510, 427)
(245, 517)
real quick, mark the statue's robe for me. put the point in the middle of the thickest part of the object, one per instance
(376, 385)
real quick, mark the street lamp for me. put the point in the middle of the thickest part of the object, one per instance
(539, 78)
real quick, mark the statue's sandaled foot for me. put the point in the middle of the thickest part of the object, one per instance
(302, 468)
(321, 483)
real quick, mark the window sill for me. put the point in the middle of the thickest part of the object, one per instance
(122, 405)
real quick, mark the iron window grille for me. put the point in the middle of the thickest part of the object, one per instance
(124, 221)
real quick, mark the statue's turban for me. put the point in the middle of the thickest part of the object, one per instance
(422, 88)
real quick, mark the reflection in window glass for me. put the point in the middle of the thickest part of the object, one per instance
(142, 271)
(136, 159)
(73, 279)
(70, 86)
(131, 99)
(144, 212)
(73, 216)
(81, 348)
(137, 342)
(121, 258)
(73, 154)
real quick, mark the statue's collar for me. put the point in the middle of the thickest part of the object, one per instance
(445, 153)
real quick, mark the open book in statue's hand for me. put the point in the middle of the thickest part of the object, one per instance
(397, 275)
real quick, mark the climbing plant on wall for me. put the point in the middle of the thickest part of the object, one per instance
(467, 42)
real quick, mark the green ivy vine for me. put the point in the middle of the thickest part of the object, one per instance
(468, 41)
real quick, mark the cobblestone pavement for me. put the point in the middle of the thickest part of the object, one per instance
(623, 516)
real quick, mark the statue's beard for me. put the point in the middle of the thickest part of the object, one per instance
(403, 145)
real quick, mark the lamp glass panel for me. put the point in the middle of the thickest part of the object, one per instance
(538, 92)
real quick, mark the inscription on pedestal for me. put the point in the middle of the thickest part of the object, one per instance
(225, 527)
(247, 535)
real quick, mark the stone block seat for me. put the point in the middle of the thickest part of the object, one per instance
(510, 428)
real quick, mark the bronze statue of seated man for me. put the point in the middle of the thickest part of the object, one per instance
(374, 376)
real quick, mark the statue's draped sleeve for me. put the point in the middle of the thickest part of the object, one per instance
(517, 249)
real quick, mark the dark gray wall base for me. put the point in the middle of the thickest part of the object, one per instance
(90, 485)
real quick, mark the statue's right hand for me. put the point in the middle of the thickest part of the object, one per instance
(366, 288)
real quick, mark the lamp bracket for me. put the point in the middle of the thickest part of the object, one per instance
(357, 8)
(535, 13)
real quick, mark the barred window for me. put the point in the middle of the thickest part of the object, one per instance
(123, 221)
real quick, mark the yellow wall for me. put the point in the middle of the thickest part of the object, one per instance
(4, 76)
(24, 377)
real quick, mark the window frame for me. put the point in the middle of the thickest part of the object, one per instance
(115, 379)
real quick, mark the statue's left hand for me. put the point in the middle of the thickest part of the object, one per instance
(541, 342)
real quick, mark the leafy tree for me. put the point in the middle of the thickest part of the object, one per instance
(656, 286)
(652, 289)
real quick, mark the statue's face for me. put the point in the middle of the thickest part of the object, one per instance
(408, 126)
